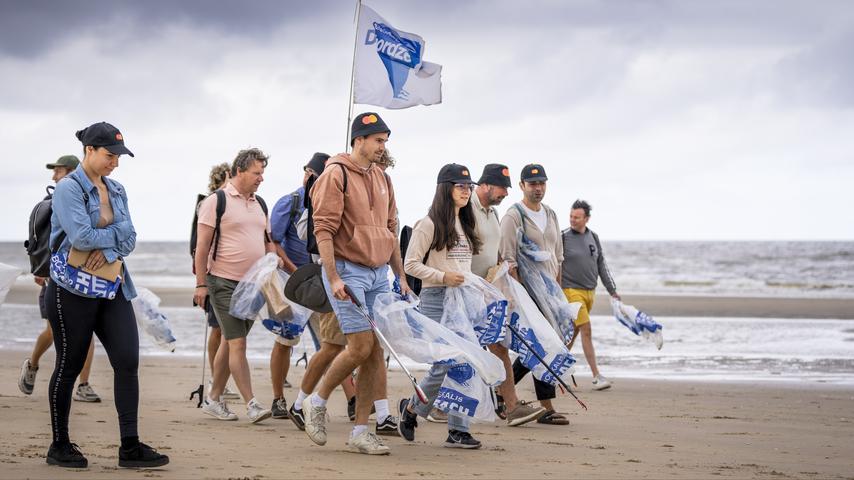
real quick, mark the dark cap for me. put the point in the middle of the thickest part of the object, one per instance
(495, 174)
(366, 124)
(305, 287)
(534, 173)
(454, 173)
(104, 135)
(317, 162)
(68, 161)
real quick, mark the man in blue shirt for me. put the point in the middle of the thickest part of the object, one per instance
(294, 254)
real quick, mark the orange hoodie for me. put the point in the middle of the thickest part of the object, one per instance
(361, 222)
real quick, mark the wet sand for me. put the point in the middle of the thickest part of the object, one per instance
(638, 429)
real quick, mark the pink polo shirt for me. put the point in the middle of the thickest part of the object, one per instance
(241, 233)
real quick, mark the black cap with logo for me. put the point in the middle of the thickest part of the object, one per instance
(534, 173)
(454, 173)
(104, 135)
(366, 124)
(495, 174)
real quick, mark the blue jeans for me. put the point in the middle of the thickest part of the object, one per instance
(432, 300)
(366, 283)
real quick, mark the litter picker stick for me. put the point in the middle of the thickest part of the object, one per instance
(537, 355)
(201, 390)
(418, 391)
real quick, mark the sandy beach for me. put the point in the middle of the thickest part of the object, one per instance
(649, 429)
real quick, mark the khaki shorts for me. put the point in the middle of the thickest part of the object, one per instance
(329, 331)
(220, 291)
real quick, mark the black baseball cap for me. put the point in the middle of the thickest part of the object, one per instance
(495, 174)
(68, 161)
(104, 135)
(454, 173)
(366, 124)
(533, 172)
(317, 162)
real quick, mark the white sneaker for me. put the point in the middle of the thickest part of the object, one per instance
(27, 380)
(217, 410)
(315, 421)
(601, 383)
(256, 412)
(227, 394)
(85, 393)
(367, 443)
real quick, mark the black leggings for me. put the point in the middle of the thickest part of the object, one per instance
(545, 391)
(74, 319)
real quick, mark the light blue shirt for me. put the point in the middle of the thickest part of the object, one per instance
(78, 220)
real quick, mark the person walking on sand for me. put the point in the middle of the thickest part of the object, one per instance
(446, 238)
(541, 226)
(26, 382)
(491, 190)
(355, 235)
(91, 216)
(222, 258)
(583, 264)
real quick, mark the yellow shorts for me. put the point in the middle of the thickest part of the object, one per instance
(586, 298)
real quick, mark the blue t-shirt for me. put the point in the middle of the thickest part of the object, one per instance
(283, 226)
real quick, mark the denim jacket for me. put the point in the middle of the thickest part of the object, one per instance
(71, 215)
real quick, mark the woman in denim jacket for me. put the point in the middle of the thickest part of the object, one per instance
(90, 214)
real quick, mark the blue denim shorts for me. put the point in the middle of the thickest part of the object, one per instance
(366, 283)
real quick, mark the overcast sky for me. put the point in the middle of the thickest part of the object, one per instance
(676, 120)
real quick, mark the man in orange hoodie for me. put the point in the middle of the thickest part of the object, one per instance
(355, 223)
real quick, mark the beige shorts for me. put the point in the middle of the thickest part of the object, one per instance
(329, 331)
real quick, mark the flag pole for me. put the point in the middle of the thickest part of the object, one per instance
(352, 77)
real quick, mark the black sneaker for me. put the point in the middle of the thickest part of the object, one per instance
(66, 455)
(388, 427)
(279, 408)
(351, 408)
(141, 456)
(458, 439)
(297, 417)
(408, 421)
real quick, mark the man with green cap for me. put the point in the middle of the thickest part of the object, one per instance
(26, 382)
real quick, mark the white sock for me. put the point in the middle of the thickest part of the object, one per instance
(382, 409)
(300, 397)
(358, 430)
(316, 401)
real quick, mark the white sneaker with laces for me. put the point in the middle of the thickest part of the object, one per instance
(218, 410)
(256, 412)
(85, 393)
(601, 383)
(367, 443)
(27, 380)
(315, 421)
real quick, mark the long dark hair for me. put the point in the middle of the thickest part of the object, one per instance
(444, 223)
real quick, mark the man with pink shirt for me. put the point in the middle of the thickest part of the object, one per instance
(226, 248)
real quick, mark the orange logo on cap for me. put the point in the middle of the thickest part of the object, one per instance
(119, 136)
(465, 173)
(369, 119)
(505, 172)
(534, 171)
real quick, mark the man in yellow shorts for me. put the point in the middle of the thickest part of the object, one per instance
(583, 264)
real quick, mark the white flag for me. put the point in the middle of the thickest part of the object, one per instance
(389, 70)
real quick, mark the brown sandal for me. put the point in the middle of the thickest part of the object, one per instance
(553, 418)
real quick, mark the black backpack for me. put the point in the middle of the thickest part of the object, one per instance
(37, 243)
(405, 236)
(220, 211)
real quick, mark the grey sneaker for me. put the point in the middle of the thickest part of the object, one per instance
(27, 380)
(524, 413)
(279, 408)
(367, 443)
(85, 393)
(218, 410)
(315, 421)
(437, 416)
(601, 383)
(256, 412)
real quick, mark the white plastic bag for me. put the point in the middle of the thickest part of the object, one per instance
(544, 288)
(247, 299)
(527, 319)
(151, 320)
(475, 307)
(423, 340)
(8, 274)
(638, 322)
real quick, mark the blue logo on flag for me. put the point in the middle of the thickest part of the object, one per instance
(398, 53)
